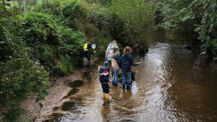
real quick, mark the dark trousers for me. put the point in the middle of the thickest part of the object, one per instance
(105, 88)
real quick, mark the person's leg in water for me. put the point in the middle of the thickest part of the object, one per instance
(128, 80)
(124, 79)
(115, 78)
(106, 96)
(86, 65)
(133, 77)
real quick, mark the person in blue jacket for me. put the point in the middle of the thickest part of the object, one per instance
(126, 62)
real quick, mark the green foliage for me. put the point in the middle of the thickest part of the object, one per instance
(138, 16)
(74, 13)
(100, 18)
(103, 2)
(193, 18)
(41, 35)
(73, 10)
(40, 28)
(118, 29)
(207, 28)
(69, 53)
(32, 47)
(48, 41)
(9, 42)
(70, 12)
(20, 76)
(64, 64)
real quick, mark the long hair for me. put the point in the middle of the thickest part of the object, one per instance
(127, 49)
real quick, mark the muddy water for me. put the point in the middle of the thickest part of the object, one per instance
(172, 84)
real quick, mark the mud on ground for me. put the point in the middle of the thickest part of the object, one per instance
(57, 98)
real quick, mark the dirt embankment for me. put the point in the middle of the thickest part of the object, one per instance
(53, 100)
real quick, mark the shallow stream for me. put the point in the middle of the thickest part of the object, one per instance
(172, 84)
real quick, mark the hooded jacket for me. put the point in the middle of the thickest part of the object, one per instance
(104, 73)
(126, 62)
(109, 50)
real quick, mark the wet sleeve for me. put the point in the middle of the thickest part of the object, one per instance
(118, 61)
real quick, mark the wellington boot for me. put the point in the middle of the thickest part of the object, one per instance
(106, 96)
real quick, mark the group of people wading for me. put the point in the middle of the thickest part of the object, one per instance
(112, 65)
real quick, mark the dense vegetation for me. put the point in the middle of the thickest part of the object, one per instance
(194, 19)
(48, 40)
(138, 18)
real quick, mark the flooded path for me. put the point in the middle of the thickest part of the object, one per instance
(171, 85)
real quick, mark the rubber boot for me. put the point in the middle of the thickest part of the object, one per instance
(114, 84)
(106, 96)
(123, 86)
(128, 87)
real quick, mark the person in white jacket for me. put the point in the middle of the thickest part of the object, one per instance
(110, 49)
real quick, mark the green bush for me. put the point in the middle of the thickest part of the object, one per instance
(70, 12)
(32, 47)
(10, 43)
(51, 7)
(195, 19)
(20, 76)
(41, 35)
(69, 53)
(74, 14)
(118, 29)
(40, 27)
(73, 10)
(49, 41)
(138, 18)
(100, 18)
(105, 2)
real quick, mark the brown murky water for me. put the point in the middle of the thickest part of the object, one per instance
(172, 84)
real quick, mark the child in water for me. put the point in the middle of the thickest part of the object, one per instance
(104, 79)
(115, 65)
(126, 62)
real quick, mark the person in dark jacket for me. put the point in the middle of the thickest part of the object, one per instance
(86, 53)
(104, 79)
(126, 62)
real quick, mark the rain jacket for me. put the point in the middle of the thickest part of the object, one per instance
(104, 73)
(87, 51)
(126, 62)
(109, 50)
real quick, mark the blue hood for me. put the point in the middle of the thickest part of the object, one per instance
(106, 64)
